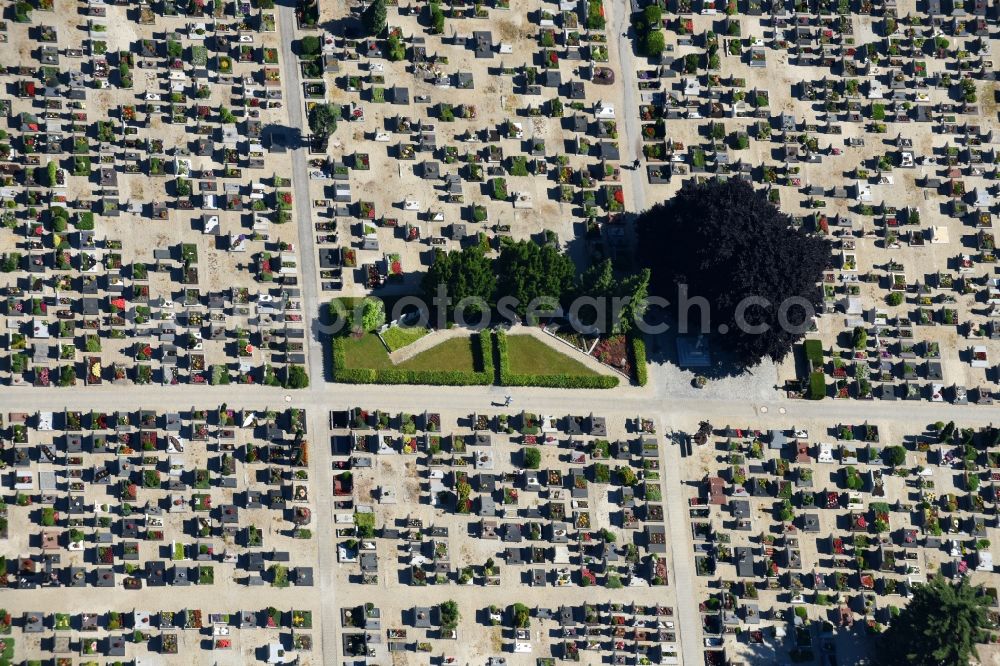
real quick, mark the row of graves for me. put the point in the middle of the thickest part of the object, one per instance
(626, 630)
(57, 338)
(805, 540)
(917, 69)
(841, 152)
(471, 163)
(119, 635)
(535, 524)
(894, 359)
(127, 500)
(194, 135)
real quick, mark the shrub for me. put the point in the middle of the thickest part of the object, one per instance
(654, 43)
(532, 458)
(372, 313)
(297, 377)
(310, 45)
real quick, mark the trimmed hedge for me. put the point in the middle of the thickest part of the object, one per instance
(507, 378)
(817, 386)
(638, 347)
(400, 376)
(814, 352)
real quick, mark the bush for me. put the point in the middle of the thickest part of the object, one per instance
(220, 375)
(532, 458)
(437, 18)
(894, 456)
(396, 49)
(22, 12)
(449, 614)
(297, 377)
(895, 298)
(372, 313)
(654, 43)
(310, 45)
(522, 615)
(323, 120)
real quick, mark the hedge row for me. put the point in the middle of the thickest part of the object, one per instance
(814, 352)
(817, 386)
(639, 360)
(503, 360)
(486, 355)
(507, 378)
(399, 376)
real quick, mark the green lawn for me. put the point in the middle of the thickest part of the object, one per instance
(397, 338)
(368, 352)
(530, 356)
(453, 354)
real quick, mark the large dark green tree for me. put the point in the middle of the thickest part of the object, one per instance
(374, 18)
(727, 243)
(468, 273)
(939, 627)
(527, 271)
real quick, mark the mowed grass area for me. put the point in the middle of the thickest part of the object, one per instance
(450, 355)
(397, 337)
(369, 352)
(530, 356)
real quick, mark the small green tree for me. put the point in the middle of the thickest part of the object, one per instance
(894, 455)
(53, 173)
(450, 614)
(522, 615)
(374, 18)
(22, 12)
(67, 376)
(626, 475)
(323, 120)
(372, 314)
(310, 45)
(437, 18)
(297, 377)
(532, 458)
(654, 43)
(395, 48)
(859, 337)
